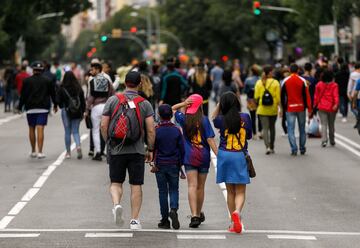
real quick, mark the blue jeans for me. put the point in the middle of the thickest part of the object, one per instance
(167, 179)
(291, 119)
(71, 126)
(344, 106)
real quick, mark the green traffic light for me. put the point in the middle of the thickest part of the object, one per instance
(257, 11)
(104, 38)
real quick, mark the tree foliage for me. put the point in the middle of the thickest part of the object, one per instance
(19, 18)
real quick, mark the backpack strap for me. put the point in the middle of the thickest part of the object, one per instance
(122, 100)
(136, 101)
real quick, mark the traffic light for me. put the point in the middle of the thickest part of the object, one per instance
(103, 38)
(133, 29)
(256, 8)
(93, 50)
(225, 58)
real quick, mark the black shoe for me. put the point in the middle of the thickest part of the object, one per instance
(332, 143)
(202, 217)
(164, 224)
(174, 219)
(195, 222)
(97, 157)
(91, 153)
(324, 144)
(303, 152)
(294, 154)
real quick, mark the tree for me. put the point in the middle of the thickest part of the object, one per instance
(216, 27)
(19, 18)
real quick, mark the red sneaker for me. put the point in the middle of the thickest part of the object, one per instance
(237, 222)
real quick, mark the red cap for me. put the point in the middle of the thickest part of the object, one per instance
(197, 101)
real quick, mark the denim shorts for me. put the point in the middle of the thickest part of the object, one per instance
(200, 169)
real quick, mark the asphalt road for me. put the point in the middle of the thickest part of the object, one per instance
(304, 201)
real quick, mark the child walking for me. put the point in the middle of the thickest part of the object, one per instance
(199, 138)
(235, 130)
(169, 154)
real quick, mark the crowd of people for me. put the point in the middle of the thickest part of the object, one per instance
(160, 115)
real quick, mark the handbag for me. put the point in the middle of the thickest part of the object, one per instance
(88, 122)
(249, 162)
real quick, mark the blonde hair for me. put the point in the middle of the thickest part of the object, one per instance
(146, 86)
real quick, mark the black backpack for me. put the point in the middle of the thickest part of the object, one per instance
(73, 108)
(267, 99)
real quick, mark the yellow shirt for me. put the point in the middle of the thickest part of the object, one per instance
(273, 87)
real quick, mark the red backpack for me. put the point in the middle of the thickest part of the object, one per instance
(125, 124)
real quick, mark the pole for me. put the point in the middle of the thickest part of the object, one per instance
(336, 45)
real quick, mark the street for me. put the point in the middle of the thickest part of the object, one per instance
(303, 201)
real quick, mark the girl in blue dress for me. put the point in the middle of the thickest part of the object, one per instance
(235, 129)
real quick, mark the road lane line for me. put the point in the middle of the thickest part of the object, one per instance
(29, 195)
(19, 235)
(17, 208)
(9, 118)
(349, 148)
(349, 141)
(40, 182)
(5, 221)
(197, 237)
(109, 235)
(296, 237)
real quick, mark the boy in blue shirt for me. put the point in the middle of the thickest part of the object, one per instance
(169, 154)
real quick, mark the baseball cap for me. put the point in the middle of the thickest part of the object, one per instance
(197, 101)
(165, 111)
(37, 65)
(133, 79)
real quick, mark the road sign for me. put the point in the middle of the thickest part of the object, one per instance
(327, 35)
(116, 33)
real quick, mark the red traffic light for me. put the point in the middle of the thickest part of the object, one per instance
(133, 29)
(257, 4)
(225, 58)
(93, 50)
(89, 54)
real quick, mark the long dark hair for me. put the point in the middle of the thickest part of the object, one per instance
(71, 84)
(193, 124)
(230, 108)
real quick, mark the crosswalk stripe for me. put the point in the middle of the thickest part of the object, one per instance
(297, 237)
(19, 235)
(201, 236)
(108, 235)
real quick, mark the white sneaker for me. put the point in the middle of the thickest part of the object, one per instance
(67, 156)
(344, 120)
(117, 212)
(41, 156)
(33, 155)
(135, 224)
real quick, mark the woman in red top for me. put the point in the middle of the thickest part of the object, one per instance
(327, 102)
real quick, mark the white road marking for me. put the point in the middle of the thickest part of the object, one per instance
(5, 221)
(349, 141)
(201, 236)
(40, 182)
(29, 195)
(19, 235)
(218, 231)
(108, 235)
(9, 118)
(17, 208)
(349, 148)
(297, 237)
